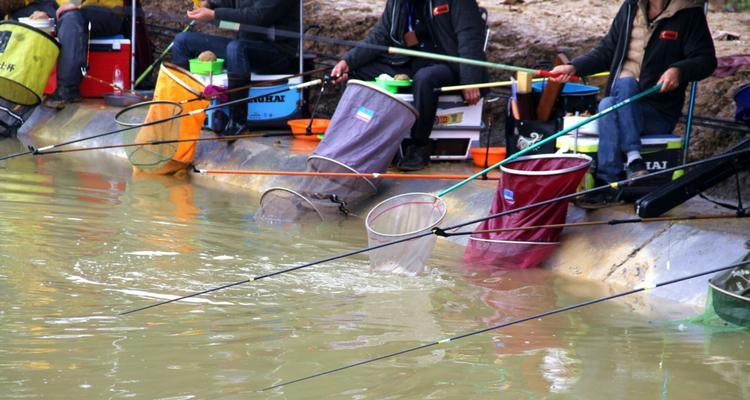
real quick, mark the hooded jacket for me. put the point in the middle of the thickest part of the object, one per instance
(680, 39)
(456, 26)
(276, 14)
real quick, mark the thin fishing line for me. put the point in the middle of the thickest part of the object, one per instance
(506, 324)
(438, 231)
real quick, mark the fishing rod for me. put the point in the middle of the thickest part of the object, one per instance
(163, 54)
(167, 141)
(34, 151)
(552, 137)
(644, 288)
(275, 33)
(610, 222)
(373, 175)
(499, 84)
(253, 85)
(442, 231)
(117, 87)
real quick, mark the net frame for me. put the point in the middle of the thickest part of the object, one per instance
(161, 153)
(276, 218)
(408, 257)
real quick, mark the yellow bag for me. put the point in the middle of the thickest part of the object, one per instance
(27, 56)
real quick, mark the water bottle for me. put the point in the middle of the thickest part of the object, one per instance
(118, 81)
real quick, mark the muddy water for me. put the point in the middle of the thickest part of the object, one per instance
(81, 240)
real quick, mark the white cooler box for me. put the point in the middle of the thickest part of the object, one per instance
(456, 129)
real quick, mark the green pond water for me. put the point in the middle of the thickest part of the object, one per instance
(81, 240)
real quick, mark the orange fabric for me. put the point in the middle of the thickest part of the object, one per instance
(176, 84)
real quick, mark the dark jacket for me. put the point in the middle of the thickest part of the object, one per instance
(458, 30)
(681, 39)
(277, 14)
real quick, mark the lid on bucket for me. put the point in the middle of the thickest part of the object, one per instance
(27, 55)
(570, 89)
(379, 89)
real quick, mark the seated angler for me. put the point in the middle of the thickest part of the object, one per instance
(650, 42)
(452, 27)
(104, 17)
(248, 52)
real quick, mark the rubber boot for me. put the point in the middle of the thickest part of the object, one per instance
(237, 112)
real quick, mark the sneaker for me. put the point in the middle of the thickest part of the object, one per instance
(60, 100)
(415, 158)
(636, 168)
(597, 200)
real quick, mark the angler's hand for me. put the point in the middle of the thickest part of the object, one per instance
(562, 73)
(669, 80)
(472, 96)
(201, 14)
(63, 9)
(340, 72)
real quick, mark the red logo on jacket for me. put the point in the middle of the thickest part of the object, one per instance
(443, 9)
(668, 35)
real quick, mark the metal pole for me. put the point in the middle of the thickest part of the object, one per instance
(132, 45)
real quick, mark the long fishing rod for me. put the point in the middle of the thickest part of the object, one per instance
(644, 288)
(499, 84)
(275, 33)
(167, 141)
(260, 84)
(373, 175)
(34, 151)
(442, 231)
(163, 54)
(552, 137)
(610, 222)
(116, 87)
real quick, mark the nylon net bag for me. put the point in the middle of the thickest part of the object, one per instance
(280, 205)
(400, 217)
(155, 115)
(525, 181)
(363, 137)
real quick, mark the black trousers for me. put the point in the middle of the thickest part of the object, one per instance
(425, 78)
(47, 6)
(73, 34)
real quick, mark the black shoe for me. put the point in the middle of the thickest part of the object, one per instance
(415, 158)
(600, 199)
(61, 98)
(636, 168)
(234, 128)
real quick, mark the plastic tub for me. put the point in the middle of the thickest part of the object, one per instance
(493, 156)
(318, 128)
(392, 85)
(207, 67)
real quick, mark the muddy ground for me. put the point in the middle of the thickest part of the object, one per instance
(528, 34)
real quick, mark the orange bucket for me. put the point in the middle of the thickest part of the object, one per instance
(318, 128)
(483, 157)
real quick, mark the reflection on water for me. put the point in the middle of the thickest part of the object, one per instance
(81, 242)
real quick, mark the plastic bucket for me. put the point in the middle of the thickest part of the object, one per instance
(398, 218)
(27, 57)
(177, 85)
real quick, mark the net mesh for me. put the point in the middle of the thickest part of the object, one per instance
(526, 181)
(281, 206)
(400, 217)
(323, 196)
(150, 156)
